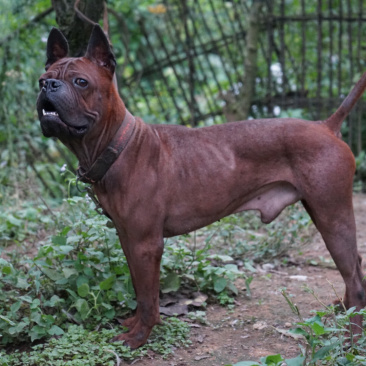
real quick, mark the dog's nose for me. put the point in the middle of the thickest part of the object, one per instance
(51, 85)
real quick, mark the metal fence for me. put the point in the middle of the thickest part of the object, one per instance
(189, 69)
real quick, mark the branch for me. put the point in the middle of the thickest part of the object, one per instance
(81, 15)
(27, 25)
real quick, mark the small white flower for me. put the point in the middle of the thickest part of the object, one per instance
(63, 168)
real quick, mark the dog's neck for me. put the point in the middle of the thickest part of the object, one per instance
(105, 159)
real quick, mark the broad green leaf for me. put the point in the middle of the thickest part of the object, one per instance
(110, 314)
(318, 328)
(59, 240)
(297, 361)
(68, 272)
(52, 274)
(22, 283)
(320, 354)
(221, 257)
(299, 331)
(82, 307)
(55, 330)
(66, 249)
(83, 290)
(171, 283)
(6, 269)
(81, 280)
(232, 288)
(17, 329)
(37, 332)
(14, 221)
(220, 284)
(272, 359)
(16, 306)
(7, 320)
(108, 283)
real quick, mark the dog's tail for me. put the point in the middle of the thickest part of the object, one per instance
(334, 122)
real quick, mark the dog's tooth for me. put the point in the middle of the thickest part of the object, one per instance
(43, 111)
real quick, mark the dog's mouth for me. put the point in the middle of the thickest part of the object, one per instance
(51, 115)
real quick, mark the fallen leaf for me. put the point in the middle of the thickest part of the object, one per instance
(299, 278)
(174, 310)
(199, 358)
(260, 325)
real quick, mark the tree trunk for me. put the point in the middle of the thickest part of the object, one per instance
(77, 30)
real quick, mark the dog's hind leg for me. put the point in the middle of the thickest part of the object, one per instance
(334, 218)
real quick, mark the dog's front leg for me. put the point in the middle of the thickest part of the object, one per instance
(143, 257)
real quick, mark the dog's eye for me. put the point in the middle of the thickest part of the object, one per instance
(81, 82)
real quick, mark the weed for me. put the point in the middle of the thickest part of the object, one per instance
(79, 346)
(81, 276)
(326, 340)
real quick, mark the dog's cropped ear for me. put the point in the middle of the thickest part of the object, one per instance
(57, 47)
(99, 50)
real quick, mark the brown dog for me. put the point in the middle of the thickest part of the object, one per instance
(158, 181)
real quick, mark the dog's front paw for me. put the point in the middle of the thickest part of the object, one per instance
(130, 340)
(136, 337)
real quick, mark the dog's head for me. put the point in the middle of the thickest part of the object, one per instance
(75, 93)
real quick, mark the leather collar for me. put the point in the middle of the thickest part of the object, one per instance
(105, 160)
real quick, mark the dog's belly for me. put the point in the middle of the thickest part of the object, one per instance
(269, 200)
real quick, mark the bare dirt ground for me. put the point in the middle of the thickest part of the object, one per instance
(256, 327)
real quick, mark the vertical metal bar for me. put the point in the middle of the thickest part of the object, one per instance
(164, 79)
(223, 36)
(282, 49)
(320, 54)
(360, 109)
(340, 46)
(162, 105)
(213, 43)
(330, 63)
(125, 41)
(350, 39)
(172, 65)
(350, 57)
(269, 54)
(191, 68)
(359, 34)
(303, 48)
(174, 35)
(241, 34)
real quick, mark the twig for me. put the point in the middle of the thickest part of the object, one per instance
(119, 361)
(81, 15)
(70, 317)
(338, 297)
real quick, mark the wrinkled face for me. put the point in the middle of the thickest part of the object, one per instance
(68, 103)
(73, 91)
